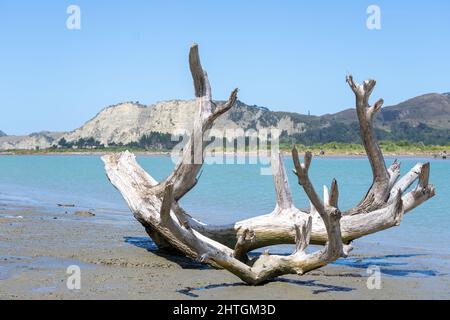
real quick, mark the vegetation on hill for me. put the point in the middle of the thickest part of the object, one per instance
(349, 133)
(388, 148)
(338, 138)
(151, 141)
(164, 146)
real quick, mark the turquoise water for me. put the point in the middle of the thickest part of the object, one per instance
(225, 193)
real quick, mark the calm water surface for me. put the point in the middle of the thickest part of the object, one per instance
(225, 193)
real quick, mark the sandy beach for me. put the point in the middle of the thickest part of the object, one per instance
(119, 261)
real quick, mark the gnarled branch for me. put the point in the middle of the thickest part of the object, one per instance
(374, 213)
(378, 192)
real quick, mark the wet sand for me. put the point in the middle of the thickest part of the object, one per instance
(118, 261)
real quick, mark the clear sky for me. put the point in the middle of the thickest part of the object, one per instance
(284, 55)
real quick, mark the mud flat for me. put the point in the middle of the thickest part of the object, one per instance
(118, 261)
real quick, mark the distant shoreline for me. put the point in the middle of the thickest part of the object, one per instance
(328, 154)
(331, 149)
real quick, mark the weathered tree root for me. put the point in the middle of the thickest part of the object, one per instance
(155, 205)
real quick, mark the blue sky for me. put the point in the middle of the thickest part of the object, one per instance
(285, 55)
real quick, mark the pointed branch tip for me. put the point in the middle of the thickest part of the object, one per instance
(307, 160)
(303, 235)
(334, 194)
(377, 106)
(197, 72)
(167, 202)
(424, 175)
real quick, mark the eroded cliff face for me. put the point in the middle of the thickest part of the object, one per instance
(128, 122)
(41, 140)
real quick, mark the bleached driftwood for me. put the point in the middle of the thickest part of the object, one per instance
(156, 205)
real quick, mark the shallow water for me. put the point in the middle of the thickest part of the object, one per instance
(225, 193)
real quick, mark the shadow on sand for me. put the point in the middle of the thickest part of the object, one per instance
(392, 265)
(317, 287)
(150, 246)
(388, 265)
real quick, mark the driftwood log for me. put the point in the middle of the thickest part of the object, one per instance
(156, 204)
